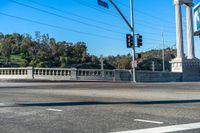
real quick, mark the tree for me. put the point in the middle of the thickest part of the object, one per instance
(84, 57)
(93, 59)
(63, 61)
(45, 39)
(37, 36)
(5, 49)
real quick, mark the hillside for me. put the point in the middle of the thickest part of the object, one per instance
(18, 50)
(145, 63)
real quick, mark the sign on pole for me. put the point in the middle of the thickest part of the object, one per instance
(134, 63)
(103, 3)
(197, 19)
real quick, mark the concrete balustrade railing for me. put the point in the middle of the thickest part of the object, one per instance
(52, 73)
(93, 75)
(56, 74)
(88, 72)
(95, 72)
(14, 73)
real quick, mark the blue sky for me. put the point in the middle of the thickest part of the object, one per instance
(102, 29)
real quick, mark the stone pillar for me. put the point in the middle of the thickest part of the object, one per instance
(73, 74)
(179, 30)
(30, 72)
(190, 31)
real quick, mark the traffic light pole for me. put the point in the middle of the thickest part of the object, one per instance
(133, 34)
(131, 26)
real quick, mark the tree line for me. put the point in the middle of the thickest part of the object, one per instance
(23, 50)
(42, 51)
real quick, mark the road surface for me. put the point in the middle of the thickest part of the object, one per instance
(99, 107)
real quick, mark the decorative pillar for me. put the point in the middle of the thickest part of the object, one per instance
(190, 31)
(74, 74)
(30, 72)
(179, 30)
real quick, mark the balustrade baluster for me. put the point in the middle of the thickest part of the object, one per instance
(55, 72)
(58, 72)
(64, 72)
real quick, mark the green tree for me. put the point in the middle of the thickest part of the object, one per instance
(5, 49)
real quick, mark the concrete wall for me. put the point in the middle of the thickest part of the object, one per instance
(191, 71)
(148, 76)
(145, 76)
(122, 75)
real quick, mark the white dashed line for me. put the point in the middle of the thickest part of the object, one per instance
(57, 110)
(148, 121)
(2, 104)
(166, 129)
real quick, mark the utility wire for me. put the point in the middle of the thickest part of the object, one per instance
(152, 16)
(87, 4)
(73, 14)
(149, 15)
(66, 29)
(76, 15)
(145, 13)
(158, 40)
(67, 18)
(96, 26)
(154, 23)
(151, 27)
(154, 34)
(58, 27)
(125, 5)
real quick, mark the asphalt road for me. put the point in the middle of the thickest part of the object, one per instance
(99, 107)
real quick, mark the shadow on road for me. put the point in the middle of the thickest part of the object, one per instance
(89, 103)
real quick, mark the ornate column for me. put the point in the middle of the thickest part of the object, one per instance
(177, 63)
(190, 31)
(179, 30)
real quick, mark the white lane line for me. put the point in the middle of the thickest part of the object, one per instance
(2, 104)
(57, 110)
(148, 121)
(166, 129)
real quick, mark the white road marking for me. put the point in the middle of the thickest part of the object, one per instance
(57, 110)
(148, 121)
(166, 129)
(2, 104)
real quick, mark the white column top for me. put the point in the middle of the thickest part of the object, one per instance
(183, 2)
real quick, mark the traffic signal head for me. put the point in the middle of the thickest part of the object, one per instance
(139, 56)
(129, 40)
(139, 40)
